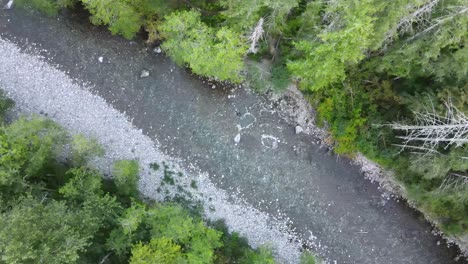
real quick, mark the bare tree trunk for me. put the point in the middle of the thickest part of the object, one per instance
(432, 130)
(104, 259)
(255, 36)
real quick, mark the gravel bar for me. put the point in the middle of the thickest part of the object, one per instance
(39, 88)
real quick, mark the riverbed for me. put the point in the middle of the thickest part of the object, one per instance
(234, 137)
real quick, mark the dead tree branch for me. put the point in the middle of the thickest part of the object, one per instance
(433, 130)
(255, 36)
(453, 181)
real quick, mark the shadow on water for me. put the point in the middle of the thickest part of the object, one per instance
(329, 202)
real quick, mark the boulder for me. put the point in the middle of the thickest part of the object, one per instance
(299, 130)
(237, 138)
(144, 74)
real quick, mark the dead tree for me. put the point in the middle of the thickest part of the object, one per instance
(420, 16)
(453, 181)
(255, 36)
(433, 130)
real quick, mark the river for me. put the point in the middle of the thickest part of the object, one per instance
(344, 217)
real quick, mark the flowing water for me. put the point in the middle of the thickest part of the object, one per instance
(239, 139)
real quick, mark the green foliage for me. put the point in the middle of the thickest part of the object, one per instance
(354, 28)
(207, 52)
(309, 23)
(280, 77)
(82, 149)
(344, 117)
(161, 250)
(193, 184)
(27, 148)
(439, 53)
(236, 249)
(128, 231)
(187, 239)
(120, 16)
(197, 241)
(154, 166)
(48, 7)
(261, 256)
(34, 232)
(83, 183)
(234, 246)
(263, 76)
(325, 60)
(168, 176)
(244, 15)
(307, 258)
(66, 3)
(439, 166)
(258, 77)
(5, 105)
(153, 9)
(450, 208)
(125, 174)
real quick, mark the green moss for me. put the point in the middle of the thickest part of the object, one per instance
(168, 177)
(193, 184)
(154, 166)
(5, 105)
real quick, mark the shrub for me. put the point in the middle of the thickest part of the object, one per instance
(207, 52)
(307, 258)
(120, 16)
(49, 232)
(83, 149)
(125, 175)
(5, 105)
(82, 184)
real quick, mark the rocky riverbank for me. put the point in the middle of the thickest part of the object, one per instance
(39, 88)
(295, 109)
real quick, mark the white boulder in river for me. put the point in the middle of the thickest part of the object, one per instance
(8, 5)
(144, 74)
(237, 138)
(299, 129)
